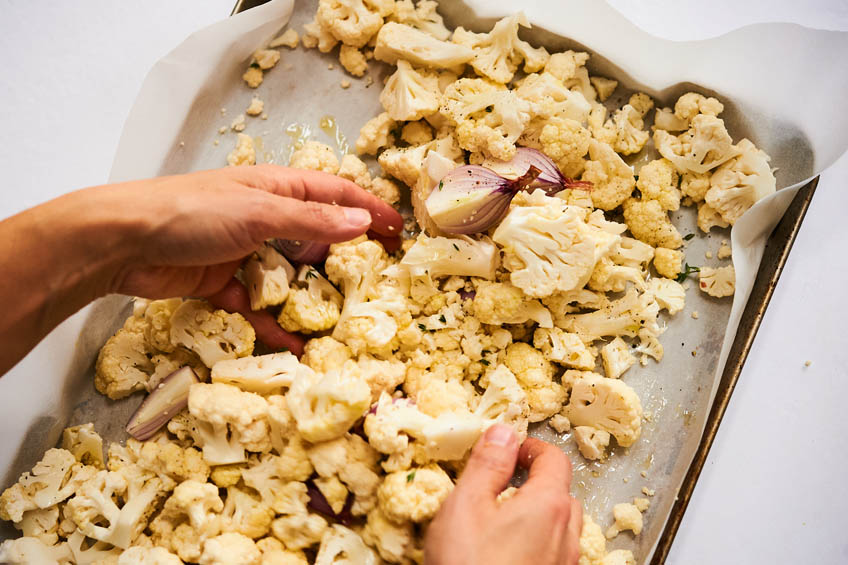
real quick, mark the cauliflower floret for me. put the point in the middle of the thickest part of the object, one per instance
(405, 164)
(353, 22)
(625, 316)
(315, 156)
(669, 294)
(342, 546)
(355, 170)
(549, 98)
(316, 35)
(228, 421)
(230, 548)
(535, 374)
(605, 404)
(299, 530)
(497, 53)
(566, 142)
(547, 246)
(740, 182)
(352, 462)
(275, 553)
(394, 542)
(42, 524)
(609, 277)
(632, 253)
(138, 555)
(604, 86)
(704, 146)
(314, 306)
(381, 375)
(708, 218)
(564, 348)
(113, 507)
(414, 495)
(436, 257)
(398, 41)
(31, 551)
(375, 134)
(559, 423)
(262, 374)
(157, 322)
(53, 479)
(417, 133)
(212, 334)
(691, 104)
(85, 444)
(353, 60)
(266, 275)
(658, 181)
(591, 442)
(253, 77)
(385, 189)
(593, 544)
(123, 364)
(266, 58)
(326, 405)
(668, 262)
(170, 462)
(246, 514)
(267, 477)
(623, 131)
(648, 222)
(410, 94)
(422, 16)
(695, 185)
(325, 354)
(288, 38)
(617, 358)
(244, 152)
(503, 303)
(627, 517)
(718, 282)
(488, 117)
(612, 180)
(188, 517)
(569, 67)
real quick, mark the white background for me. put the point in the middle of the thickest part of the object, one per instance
(773, 489)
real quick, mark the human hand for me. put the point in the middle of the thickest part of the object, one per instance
(539, 525)
(190, 232)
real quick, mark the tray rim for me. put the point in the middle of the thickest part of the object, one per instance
(775, 255)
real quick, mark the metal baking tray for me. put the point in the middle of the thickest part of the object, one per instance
(774, 258)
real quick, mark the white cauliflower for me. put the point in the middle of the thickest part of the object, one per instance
(32, 551)
(85, 444)
(649, 222)
(386, 190)
(591, 442)
(325, 405)
(549, 98)
(353, 60)
(422, 16)
(718, 282)
(139, 555)
(394, 542)
(627, 517)
(375, 134)
(605, 404)
(266, 275)
(502, 303)
(708, 218)
(740, 182)
(414, 495)
(156, 315)
(212, 334)
(275, 553)
(497, 53)
(342, 546)
(228, 421)
(704, 146)
(658, 181)
(325, 354)
(535, 374)
(625, 316)
(570, 68)
(314, 305)
(668, 262)
(623, 131)
(610, 277)
(437, 257)
(410, 94)
(564, 348)
(244, 152)
(300, 530)
(563, 140)
(245, 513)
(355, 170)
(612, 180)
(124, 363)
(399, 41)
(189, 516)
(353, 22)
(229, 548)
(669, 294)
(547, 247)
(616, 358)
(404, 163)
(315, 156)
(262, 374)
(603, 86)
(488, 117)
(350, 463)
(685, 109)
(417, 133)
(632, 253)
(593, 544)
(170, 462)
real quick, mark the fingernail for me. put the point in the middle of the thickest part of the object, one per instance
(357, 217)
(499, 435)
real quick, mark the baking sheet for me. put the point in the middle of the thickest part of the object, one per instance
(174, 125)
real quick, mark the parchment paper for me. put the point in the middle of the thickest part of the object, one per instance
(781, 87)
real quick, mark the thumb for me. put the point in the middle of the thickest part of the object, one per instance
(289, 218)
(491, 465)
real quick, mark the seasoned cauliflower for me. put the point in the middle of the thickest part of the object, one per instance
(488, 117)
(315, 156)
(156, 315)
(393, 541)
(564, 348)
(124, 363)
(717, 282)
(325, 354)
(648, 222)
(316, 35)
(214, 335)
(325, 405)
(549, 98)
(289, 38)
(669, 294)
(355, 170)
(627, 517)
(421, 15)
(410, 94)
(29, 550)
(503, 303)
(547, 247)
(616, 358)
(414, 495)
(623, 131)
(625, 316)
(353, 60)
(253, 77)
(266, 58)
(658, 181)
(570, 68)
(300, 530)
(375, 134)
(353, 22)
(417, 133)
(266, 275)
(562, 139)
(313, 306)
(404, 163)
(591, 442)
(691, 104)
(603, 86)
(497, 53)
(695, 186)
(708, 218)
(593, 544)
(612, 180)
(245, 151)
(668, 262)
(229, 548)
(605, 404)
(535, 374)
(399, 41)
(275, 553)
(386, 190)
(262, 374)
(740, 182)
(436, 257)
(342, 546)
(704, 146)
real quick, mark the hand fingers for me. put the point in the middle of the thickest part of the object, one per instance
(571, 541)
(320, 187)
(491, 465)
(550, 468)
(289, 218)
(234, 298)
